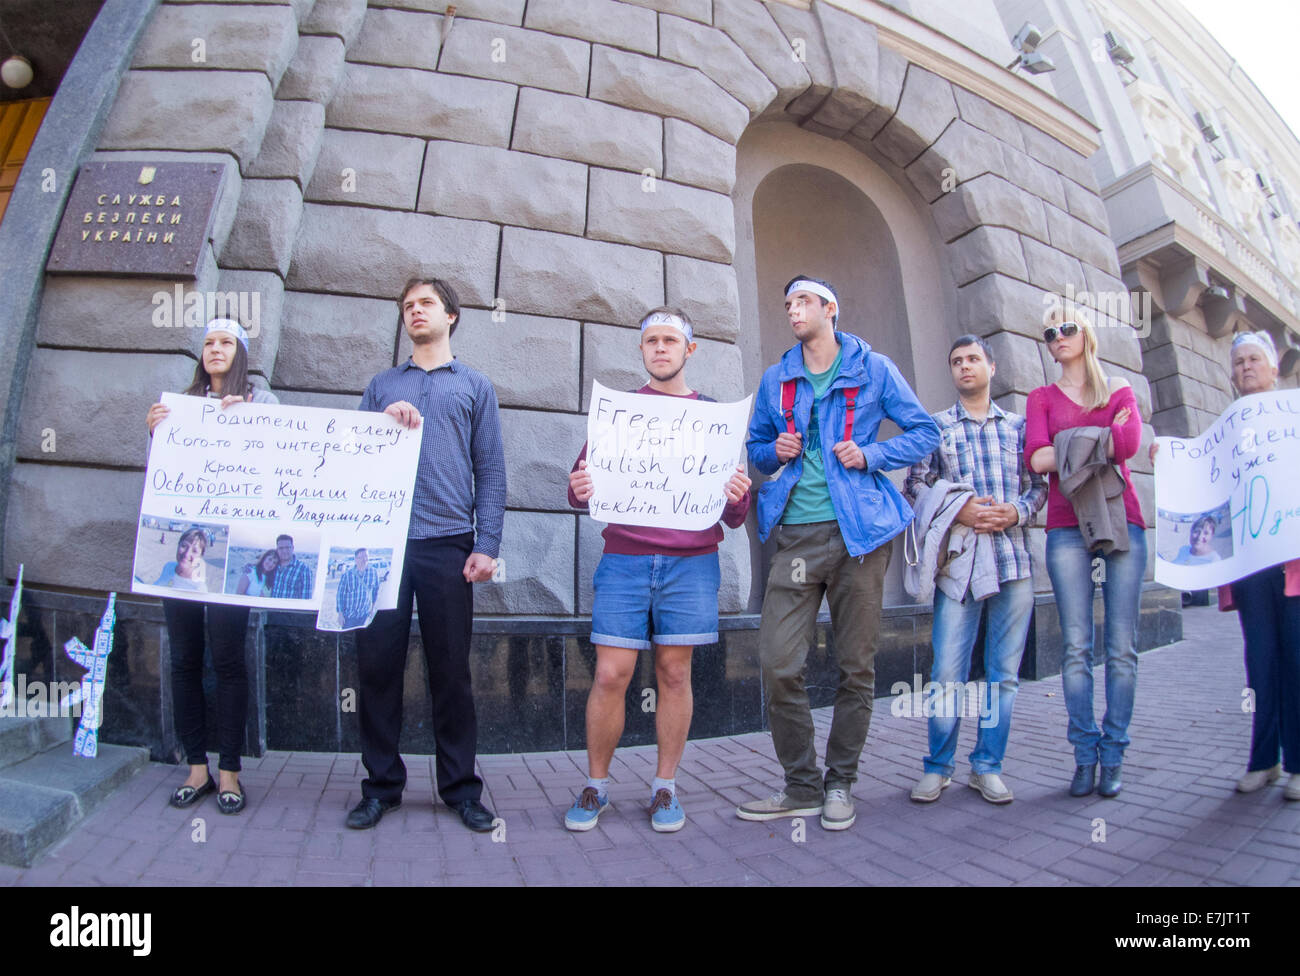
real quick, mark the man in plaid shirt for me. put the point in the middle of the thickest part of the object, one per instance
(981, 445)
(358, 588)
(292, 578)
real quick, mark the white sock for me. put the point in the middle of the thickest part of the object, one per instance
(663, 784)
(601, 786)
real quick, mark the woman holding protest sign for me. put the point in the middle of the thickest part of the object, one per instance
(1268, 605)
(1084, 412)
(222, 372)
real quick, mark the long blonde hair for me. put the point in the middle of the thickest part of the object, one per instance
(1096, 385)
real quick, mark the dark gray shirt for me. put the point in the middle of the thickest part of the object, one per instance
(460, 484)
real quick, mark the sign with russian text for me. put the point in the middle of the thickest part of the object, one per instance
(265, 505)
(1228, 501)
(662, 460)
(137, 219)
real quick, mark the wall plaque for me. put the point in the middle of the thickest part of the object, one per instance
(137, 218)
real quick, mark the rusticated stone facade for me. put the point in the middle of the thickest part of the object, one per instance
(567, 162)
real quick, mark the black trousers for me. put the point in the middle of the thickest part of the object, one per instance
(226, 629)
(1270, 625)
(433, 577)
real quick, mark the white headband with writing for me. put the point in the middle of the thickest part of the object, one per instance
(1261, 339)
(821, 291)
(227, 325)
(668, 319)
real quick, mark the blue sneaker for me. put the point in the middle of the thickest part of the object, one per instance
(666, 814)
(586, 810)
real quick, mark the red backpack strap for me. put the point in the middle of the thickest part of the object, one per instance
(787, 404)
(850, 404)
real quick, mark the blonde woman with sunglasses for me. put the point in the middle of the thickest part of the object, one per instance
(1084, 396)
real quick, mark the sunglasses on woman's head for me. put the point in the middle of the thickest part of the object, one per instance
(1066, 329)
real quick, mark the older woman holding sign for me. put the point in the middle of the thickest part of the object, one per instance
(1268, 605)
(222, 372)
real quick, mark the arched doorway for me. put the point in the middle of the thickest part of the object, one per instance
(811, 205)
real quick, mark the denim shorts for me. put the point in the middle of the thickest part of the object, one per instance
(667, 600)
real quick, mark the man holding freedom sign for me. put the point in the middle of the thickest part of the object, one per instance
(655, 583)
(816, 418)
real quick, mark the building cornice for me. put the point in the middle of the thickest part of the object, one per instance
(948, 58)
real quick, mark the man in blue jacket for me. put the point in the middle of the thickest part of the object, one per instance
(817, 413)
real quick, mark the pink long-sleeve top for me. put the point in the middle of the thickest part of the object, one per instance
(1050, 411)
(649, 540)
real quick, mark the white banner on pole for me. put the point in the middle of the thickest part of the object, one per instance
(1228, 501)
(662, 460)
(265, 505)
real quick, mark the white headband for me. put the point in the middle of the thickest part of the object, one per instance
(1261, 339)
(668, 319)
(227, 325)
(821, 291)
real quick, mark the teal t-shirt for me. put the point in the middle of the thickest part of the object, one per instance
(810, 499)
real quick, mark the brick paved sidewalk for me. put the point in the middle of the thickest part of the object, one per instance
(1178, 821)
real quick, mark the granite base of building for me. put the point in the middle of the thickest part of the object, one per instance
(531, 675)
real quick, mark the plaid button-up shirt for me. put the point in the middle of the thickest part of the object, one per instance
(292, 582)
(989, 457)
(357, 591)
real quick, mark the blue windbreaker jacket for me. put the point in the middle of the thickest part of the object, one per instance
(868, 507)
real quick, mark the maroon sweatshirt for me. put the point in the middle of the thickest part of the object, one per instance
(649, 540)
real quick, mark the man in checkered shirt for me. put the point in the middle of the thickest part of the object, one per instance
(292, 578)
(358, 588)
(983, 446)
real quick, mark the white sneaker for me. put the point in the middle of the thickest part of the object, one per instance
(929, 787)
(1292, 791)
(991, 787)
(837, 810)
(1257, 779)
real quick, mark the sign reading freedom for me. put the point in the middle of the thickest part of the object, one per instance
(1228, 501)
(261, 504)
(662, 460)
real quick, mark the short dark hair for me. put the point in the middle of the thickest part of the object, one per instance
(1204, 520)
(281, 538)
(359, 552)
(442, 289)
(824, 284)
(972, 340)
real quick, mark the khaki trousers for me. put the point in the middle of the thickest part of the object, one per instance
(811, 561)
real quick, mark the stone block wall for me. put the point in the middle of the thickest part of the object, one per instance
(567, 164)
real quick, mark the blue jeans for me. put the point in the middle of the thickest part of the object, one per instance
(955, 628)
(1075, 571)
(671, 601)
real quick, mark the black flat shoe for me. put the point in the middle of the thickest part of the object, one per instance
(1085, 779)
(187, 796)
(476, 816)
(231, 801)
(1110, 783)
(369, 812)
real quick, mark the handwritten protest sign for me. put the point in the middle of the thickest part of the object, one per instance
(264, 505)
(1228, 501)
(663, 461)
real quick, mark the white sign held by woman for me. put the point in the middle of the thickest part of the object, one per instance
(265, 505)
(1228, 501)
